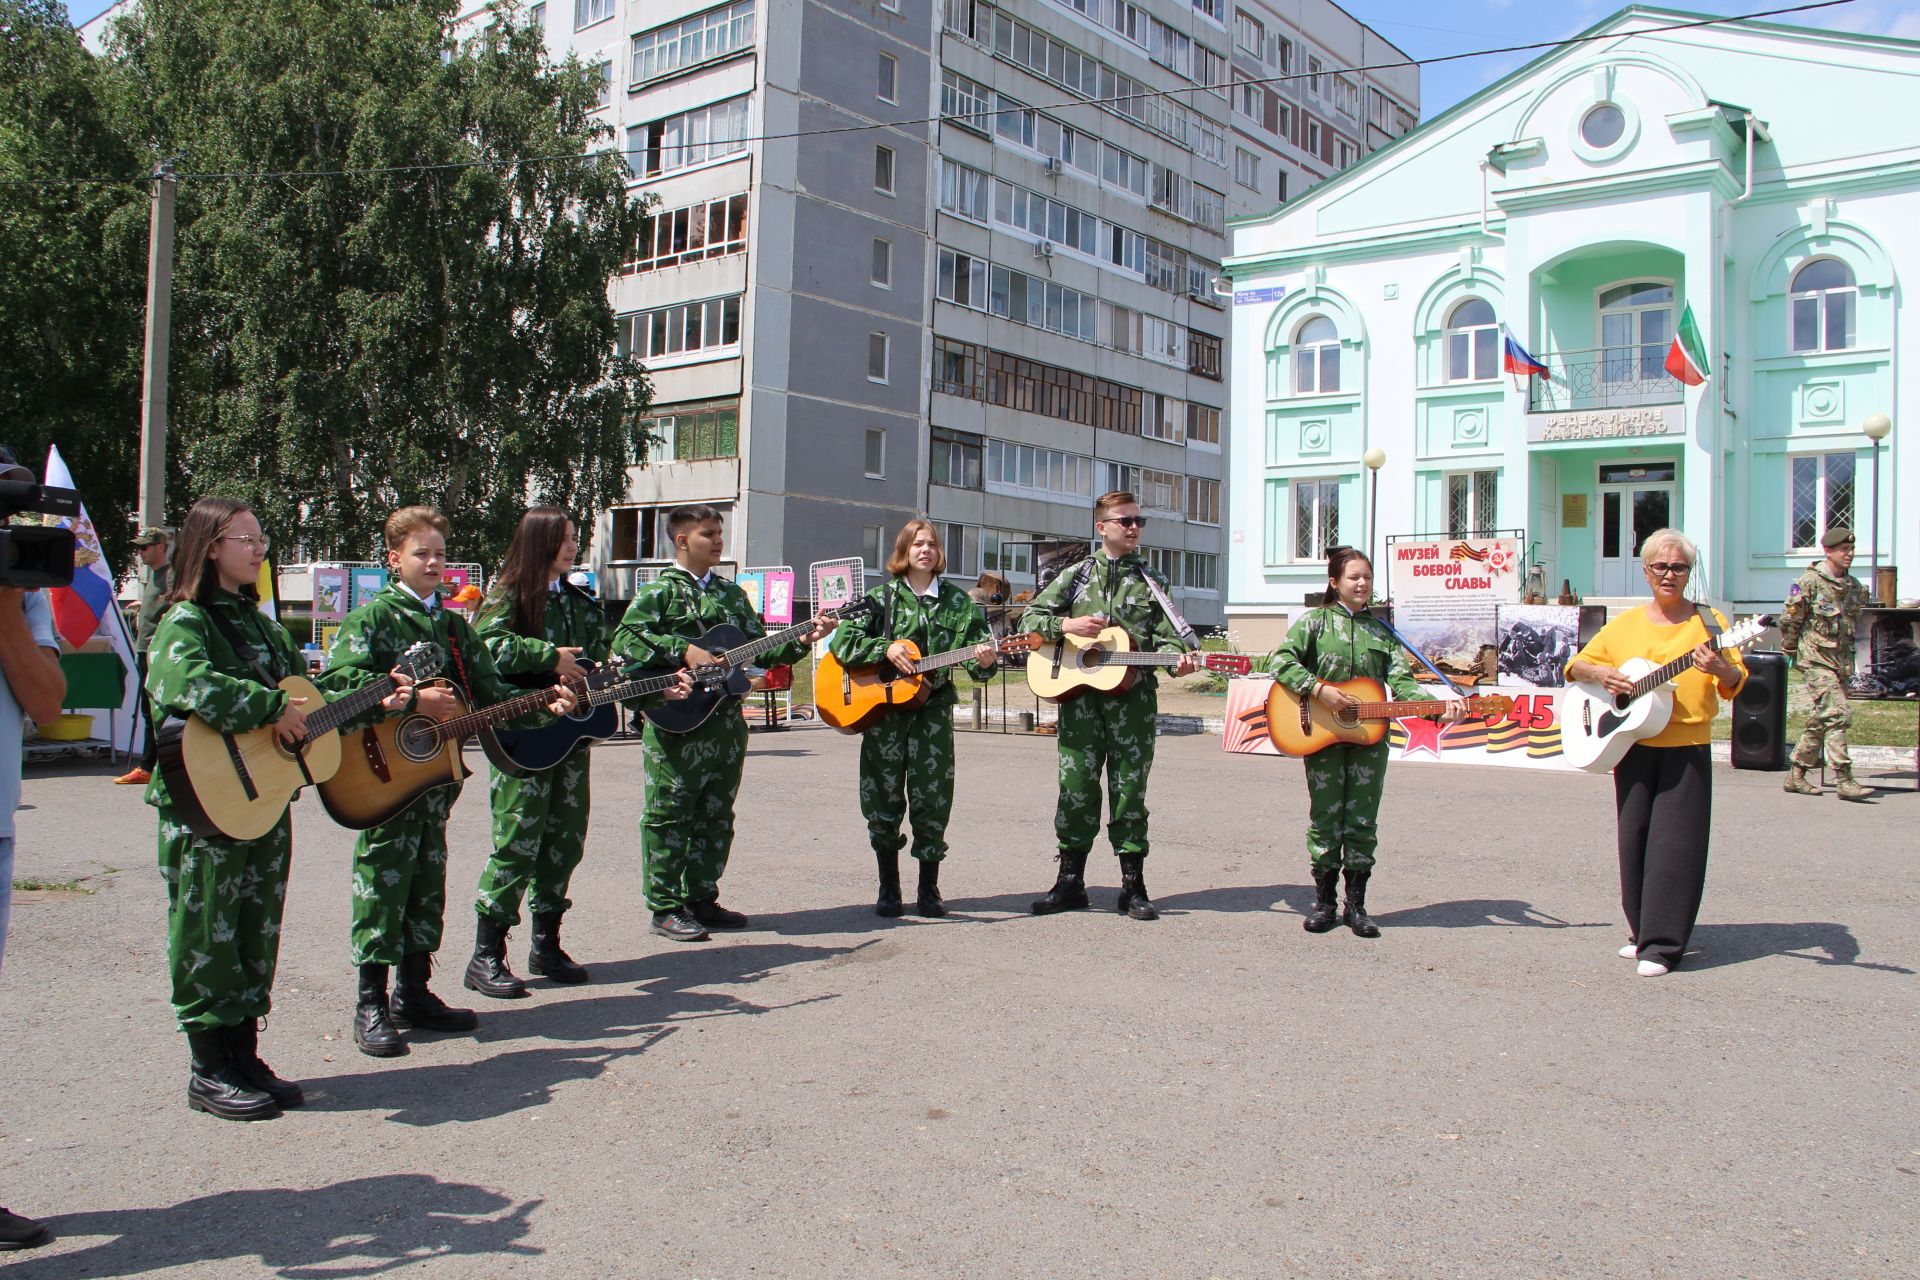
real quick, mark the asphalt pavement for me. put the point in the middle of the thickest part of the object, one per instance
(1486, 1090)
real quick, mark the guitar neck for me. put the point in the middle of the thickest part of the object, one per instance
(630, 689)
(1398, 710)
(474, 721)
(334, 714)
(1133, 659)
(935, 661)
(754, 648)
(1660, 675)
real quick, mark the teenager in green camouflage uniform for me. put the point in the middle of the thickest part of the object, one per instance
(1817, 632)
(1341, 641)
(686, 830)
(906, 757)
(1110, 733)
(224, 896)
(400, 866)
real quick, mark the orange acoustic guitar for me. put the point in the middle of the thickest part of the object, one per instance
(851, 699)
(1301, 726)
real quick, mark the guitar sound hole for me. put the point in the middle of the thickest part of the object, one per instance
(1347, 719)
(416, 739)
(1092, 656)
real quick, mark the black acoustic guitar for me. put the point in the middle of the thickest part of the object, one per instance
(727, 677)
(521, 753)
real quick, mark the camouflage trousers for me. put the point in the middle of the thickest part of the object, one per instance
(400, 882)
(539, 837)
(224, 899)
(1114, 734)
(1344, 785)
(686, 830)
(1827, 722)
(906, 766)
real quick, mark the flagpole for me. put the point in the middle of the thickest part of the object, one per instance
(153, 404)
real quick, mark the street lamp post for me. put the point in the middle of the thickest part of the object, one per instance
(1876, 427)
(1375, 458)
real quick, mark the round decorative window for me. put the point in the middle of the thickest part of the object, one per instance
(1603, 126)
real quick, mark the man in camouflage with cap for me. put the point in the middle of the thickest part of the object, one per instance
(154, 545)
(1816, 631)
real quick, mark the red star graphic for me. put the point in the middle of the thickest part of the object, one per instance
(1422, 735)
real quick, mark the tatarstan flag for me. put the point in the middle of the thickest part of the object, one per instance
(1687, 358)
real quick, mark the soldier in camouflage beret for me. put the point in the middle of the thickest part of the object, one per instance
(1817, 628)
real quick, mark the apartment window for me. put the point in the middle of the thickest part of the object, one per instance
(956, 461)
(876, 453)
(1248, 97)
(1380, 110)
(1124, 170)
(1210, 70)
(1342, 153)
(1820, 497)
(1283, 53)
(963, 191)
(967, 103)
(710, 229)
(1249, 34)
(1042, 304)
(690, 138)
(961, 542)
(1473, 342)
(962, 279)
(1203, 425)
(1215, 9)
(1158, 490)
(1025, 468)
(1315, 78)
(1316, 358)
(1202, 571)
(1172, 49)
(1203, 355)
(1163, 418)
(1207, 208)
(537, 17)
(1203, 500)
(1282, 122)
(604, 73)
(1246, 168)
(1283, 186)
(692, 432)
(588, 12)
(689, 42)
(1473, 503)
(1346, 97)
(1163, 563)
(1824, 302)
(873, 547)
(882, 268)
(887, 78)
(891, 6)
(1045, 218)
(957, 368)
(879, 354)
(883, 170)
(1316, 518)
(686, 328)
(1313, 137)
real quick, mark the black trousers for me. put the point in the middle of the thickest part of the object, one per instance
(150, 758)
(1664, 797)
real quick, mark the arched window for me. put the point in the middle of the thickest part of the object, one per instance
(1824, 300)
(1473, 342)
(1316, 358)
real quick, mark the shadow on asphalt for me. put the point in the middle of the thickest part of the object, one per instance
(362, 1227)
(598, 1027)
(1243, 897)
(1823, 943)
(1479, 913)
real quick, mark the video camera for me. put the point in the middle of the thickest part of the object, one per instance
(33, 557)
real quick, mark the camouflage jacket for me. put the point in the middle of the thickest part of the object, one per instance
(953, 621)
(154, 585)
(373, 637)
(573, 618)
(1117, 588)
(1331, 644)
(1817, 624)
(673, 611)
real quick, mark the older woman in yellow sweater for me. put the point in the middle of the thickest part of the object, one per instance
(1663, 786)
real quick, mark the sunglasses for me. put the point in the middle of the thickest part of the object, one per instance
(1131, 522)
(1675, 570)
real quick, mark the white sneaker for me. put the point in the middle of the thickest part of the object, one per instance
(1651, 969)
(1630, 952)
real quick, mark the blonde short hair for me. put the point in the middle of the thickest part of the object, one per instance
(1668, 538)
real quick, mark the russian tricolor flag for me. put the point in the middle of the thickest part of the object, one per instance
(77, 609)
(1518, 360)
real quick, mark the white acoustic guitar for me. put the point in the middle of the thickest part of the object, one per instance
(1598, 727)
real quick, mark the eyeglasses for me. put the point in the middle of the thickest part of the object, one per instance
(247, 538)
(1131, 522)
(1674, 570)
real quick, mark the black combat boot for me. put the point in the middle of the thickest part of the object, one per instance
(1069, 892)
(244, 1041)
(1326, 902)
(1133, 899)
(1356, 916)
(415, 1006)
(710, 913)
(373, 1028)
(929, 902)
(888, 903)
(546, 957)
(216, 1088)
(487, 972)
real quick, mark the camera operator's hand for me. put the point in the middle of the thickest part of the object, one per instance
(31, 669)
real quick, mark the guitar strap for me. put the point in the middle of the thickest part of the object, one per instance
(1416, 653)
(1707, 619)
(249, 654)
(1180, 625)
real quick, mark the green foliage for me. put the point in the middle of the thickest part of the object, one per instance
(71, 268)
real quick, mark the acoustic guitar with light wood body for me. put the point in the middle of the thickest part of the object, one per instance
(1302, 726)
(1063, 669)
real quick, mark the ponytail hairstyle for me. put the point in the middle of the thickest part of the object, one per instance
(200, 532)
(523, 576)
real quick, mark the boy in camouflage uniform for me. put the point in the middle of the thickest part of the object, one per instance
(400, 866)
(1816, 631)
(906, 757)
(686, 829)
(1110, 732)
(1341, 641)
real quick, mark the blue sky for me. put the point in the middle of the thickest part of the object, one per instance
(1426, 30)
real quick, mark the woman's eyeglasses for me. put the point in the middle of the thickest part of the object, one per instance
(1674, 570)
(247, 538)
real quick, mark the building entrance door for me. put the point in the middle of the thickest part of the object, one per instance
(1635, 499)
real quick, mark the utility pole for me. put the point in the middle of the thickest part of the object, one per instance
(153, 383)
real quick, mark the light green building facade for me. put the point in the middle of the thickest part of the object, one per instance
(1768, 177)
